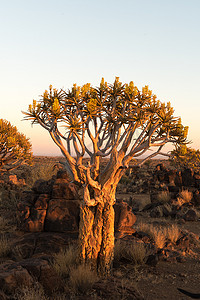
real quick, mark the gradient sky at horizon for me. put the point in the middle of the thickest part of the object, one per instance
(61, 42)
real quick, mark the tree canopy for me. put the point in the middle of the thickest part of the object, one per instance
(185, 157)
(15, 148)
(113, 120)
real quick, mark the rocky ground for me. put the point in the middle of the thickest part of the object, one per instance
(153, 216)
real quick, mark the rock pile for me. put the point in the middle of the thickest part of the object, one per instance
(53, 206)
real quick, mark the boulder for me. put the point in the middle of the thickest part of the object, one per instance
(42, 187)
(62, 215)
(190, 215)
(188, 177)
(54, 206)
(124, 218)
(13, 276)
(35, 221)
(63, 189)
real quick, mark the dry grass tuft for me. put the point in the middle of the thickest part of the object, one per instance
(173, 233)
(82, 278)
(31, 293)
(5, 247)
(164, 197)
(3, 225)
(147, 228)
(185, 196)
(159, 236)
(65, 260)
(135, 253)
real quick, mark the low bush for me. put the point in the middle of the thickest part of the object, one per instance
(135, 253)
(31, 293)
(82, 278)
(185, 196)
(163, 197)
(5, 247)
(173, 233)
(65, 260)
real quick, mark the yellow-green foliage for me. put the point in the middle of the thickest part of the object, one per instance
(185, 157)
(15, 148)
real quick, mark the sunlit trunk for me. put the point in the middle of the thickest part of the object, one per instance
(96, 234)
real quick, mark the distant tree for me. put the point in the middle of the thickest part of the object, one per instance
(115, 121)
(15, 148)
(184, 157)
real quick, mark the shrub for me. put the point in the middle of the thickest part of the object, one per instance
(135, 253)
(31, 293)
(65, 260)
(173, 233)
(3, 225)
(164, 196)
(38, 171)
(184, 197)
(159, 236)
(5, 247)
(15, 148)
(147, 228)
(82, 278)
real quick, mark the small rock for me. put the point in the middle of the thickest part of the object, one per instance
(152, 260)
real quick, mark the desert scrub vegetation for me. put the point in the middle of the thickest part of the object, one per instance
(44, 170)
(4, 226)
(5, 247)
(157, 234)
(163, 197)
(82, 278)
(134, 253)
(65, 260)
(31, 293)
(160, 235)
(9, 200)
(173, 233)
(184, 196)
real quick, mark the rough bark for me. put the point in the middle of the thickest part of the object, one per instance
(96, 234)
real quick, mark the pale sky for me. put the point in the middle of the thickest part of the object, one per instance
(61, 42)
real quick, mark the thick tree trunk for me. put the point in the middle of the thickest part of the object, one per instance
(96, 234)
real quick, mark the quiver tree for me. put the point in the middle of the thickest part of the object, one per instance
(184, 157)
(114, 121)
(15, 148)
